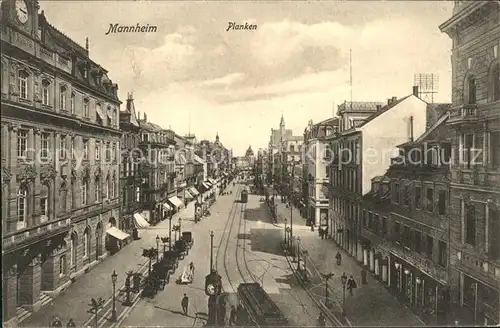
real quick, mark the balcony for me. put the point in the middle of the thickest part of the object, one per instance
(20, 238)
(466, 113)
(476, 176)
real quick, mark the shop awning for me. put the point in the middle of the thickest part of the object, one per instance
(212, 181)
(140, 221)
(193, 191)
(117, 233)
(206, 185)
(167, 207)
(187, 195)
(176, 202)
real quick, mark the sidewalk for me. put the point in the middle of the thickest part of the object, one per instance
(73, 302)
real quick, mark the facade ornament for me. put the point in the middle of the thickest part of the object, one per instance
(49, 174)
(73, 173)
(85, 171)
(97, 172)
(36, 260)
(467, 200)
(28, 172)
(38, 131)
(6, 175)
(12, 272)
(14, 127)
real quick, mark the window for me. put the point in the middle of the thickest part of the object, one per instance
(429, 246)
(396, 193)
(442, 202)
(98, 113)
(86, 243)
(44, 149)
(85, 149)
(113, 152)
(292, 148)
(85, 108)
(108, 151)
(73, 148)
(62, 98)
(145, 137)
(470, 225)
(74, 249)
(494, 149)
(494, 233)
(22, 205)
(22, 143)
(23, 84)
(62, 147)
(63, 194)
(471, 89)
(429, 200)
(62, 265)
(44, 200)
(106, 188)
(46, 92)
(72, 103)
(113, 187)
(406, 237)
(443, 254)
(97, 150)
(494, 83)
(468, 148)
(406, 195)
(397, 231)
(137, 194)
(384, 226)
(417, 241)
(97, 189)
(418, 197)
(84, 191)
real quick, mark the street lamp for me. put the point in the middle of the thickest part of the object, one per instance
(343, 279)
(285, 229)
(327, 276)
(114, 276)
(298, 253)
(157, 248)
(211, 250)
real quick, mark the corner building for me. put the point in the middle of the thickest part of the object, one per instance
(59, 152)
(475, 172)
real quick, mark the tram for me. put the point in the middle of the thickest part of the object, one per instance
(244, 196)
(257, 309)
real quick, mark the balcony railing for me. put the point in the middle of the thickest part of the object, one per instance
(465, 112)
(20, 236)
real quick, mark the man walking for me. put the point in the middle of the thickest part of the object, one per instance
(351, 284)
(184, 304)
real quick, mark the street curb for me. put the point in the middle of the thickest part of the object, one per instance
(322, 307)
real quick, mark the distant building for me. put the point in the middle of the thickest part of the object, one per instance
(475, 171)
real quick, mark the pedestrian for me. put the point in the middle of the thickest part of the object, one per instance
(321, 320)
(363, 276)
(185, 304)
(351, 284)
(338, 257)
(232, 316)
(71, 323)
(56, 322)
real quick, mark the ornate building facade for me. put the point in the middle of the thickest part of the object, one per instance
(475, 193)
(60, 141)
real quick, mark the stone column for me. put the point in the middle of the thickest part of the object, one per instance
(372, 260)
(30, 284)
(365, 257)
(9, 293)
(384, 273)
(359, 254)
(377, 267)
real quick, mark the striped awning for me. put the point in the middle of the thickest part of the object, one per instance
(193, 191)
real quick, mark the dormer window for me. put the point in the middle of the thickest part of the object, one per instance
(46, 92)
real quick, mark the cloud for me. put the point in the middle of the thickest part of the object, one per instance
(224, 81)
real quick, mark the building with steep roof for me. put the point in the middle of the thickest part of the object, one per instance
(60, 106)
(475, 172)
(363, 150)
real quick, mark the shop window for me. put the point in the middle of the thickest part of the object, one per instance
(470, 225)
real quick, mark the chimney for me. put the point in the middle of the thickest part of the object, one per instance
(415, 90)
(87, 44)
(145, 117)
(138, 115)
(389, 101)
(379, 107)
(411, 128)
(394, 99)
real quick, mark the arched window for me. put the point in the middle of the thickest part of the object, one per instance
(471, 89)
(62, 97)
(63, 194)
(113, 187)
(470, 224)
(46, 92)
(44, 201)
(72, 103)
(23, 84)
(84, 191)
(106, 188)
(494, 83)
(85, 108)
(97, 189)
(86, 243)
(74, 249)
(22, 207)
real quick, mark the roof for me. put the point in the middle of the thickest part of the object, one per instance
(148, 126)
(383, 110)
(434, 112)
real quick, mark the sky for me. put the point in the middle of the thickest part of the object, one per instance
(195, 77)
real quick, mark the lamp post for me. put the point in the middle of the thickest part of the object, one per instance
(170, 232)
(114, 276)
(180, 220)
(285, 230)
(327, 276)
(298, 253)
(343, 279)
(291, 229)
(128, 287)
(157, 248)
(211, 250)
